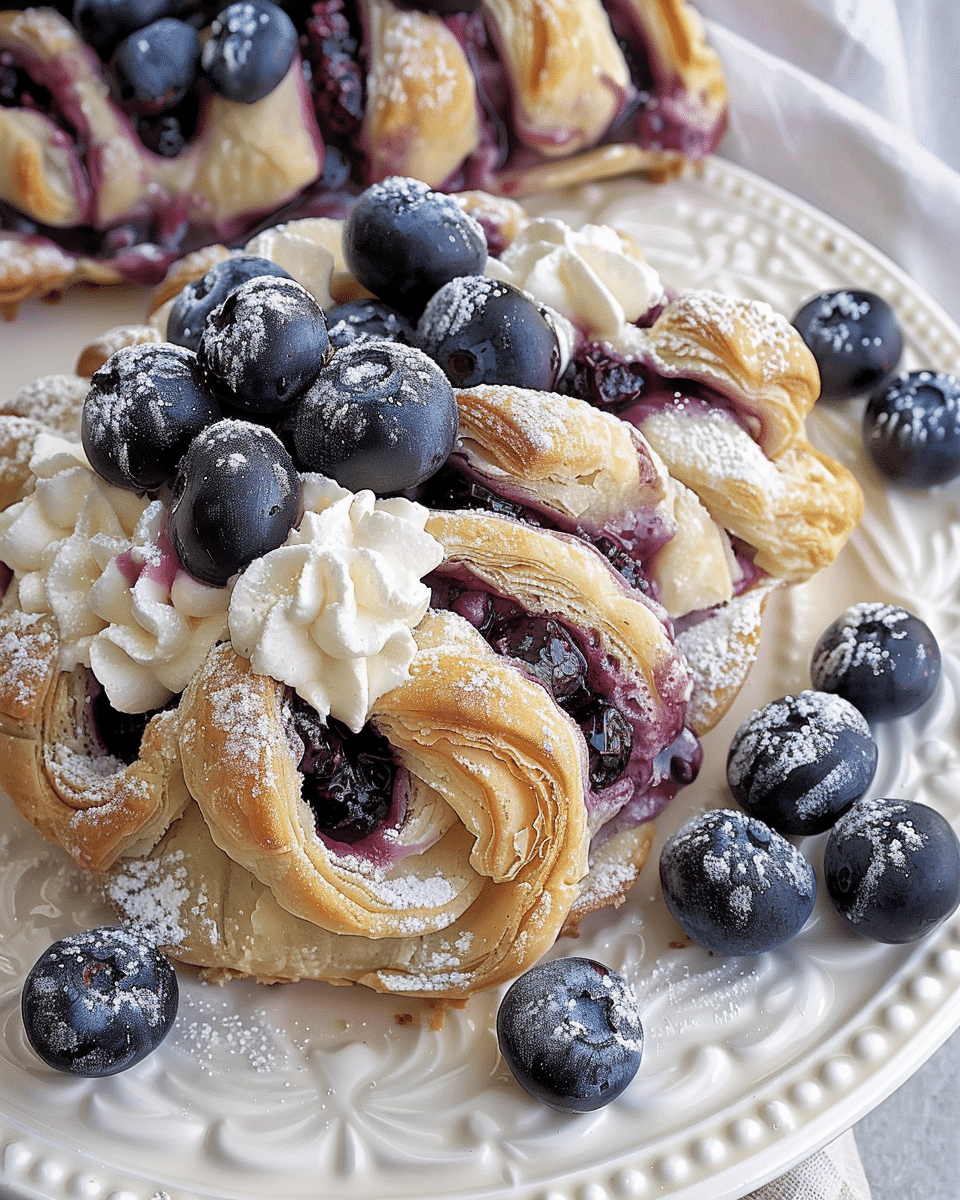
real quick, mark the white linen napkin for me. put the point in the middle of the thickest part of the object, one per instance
(853, 106)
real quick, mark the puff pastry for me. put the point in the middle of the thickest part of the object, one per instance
(515, 97)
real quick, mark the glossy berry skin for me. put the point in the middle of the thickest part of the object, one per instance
(570, 1031)
(263, 345)
(481, 330)
(856, 339)
(195, 302)
(403, 241)
(911, 429)
(801, 761)
(251, 46)
(103, 23)
(380, 416)
(366, 318)
(236, 496)
(97, 1002)
(144, 407)
(735, 885)
(880, 657)
(154, 68)
(892, 869)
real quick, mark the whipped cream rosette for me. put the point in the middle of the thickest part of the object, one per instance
(423, 734)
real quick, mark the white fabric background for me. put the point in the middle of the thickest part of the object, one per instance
(853, 105)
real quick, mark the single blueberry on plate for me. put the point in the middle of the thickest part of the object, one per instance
(735, 885)
(154, 68)
(236, 496)
(481, 330)
(251, 46)
(144, 407)
(892, 869)
(911, 429)
(855, 338)
(195, 302)
(570, 1031)
(379, 416)
(880, 657)
(263, 345)
(801, 761)
(402, 240)
(97, 1002)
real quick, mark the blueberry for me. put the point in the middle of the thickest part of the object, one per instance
(103, 23)
(856, 339)
(911, 429)
(570, 1031)
(880, 657)
(251, 46)
(367, 318)
(236, 496)
(154, 68)
(801, 761)
(144, 407)
(380, 416)
(263, 345)
(892, 869)
(480, 330)
(195, 302)
(97, 1002)
(735, 885)
(403, 241)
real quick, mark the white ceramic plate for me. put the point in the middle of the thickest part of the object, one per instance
(309, 1091)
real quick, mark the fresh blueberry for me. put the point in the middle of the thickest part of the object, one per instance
(856, 339)
(348, 777)
(911, 429)
(735, 885)
(380, 416)
(97, 1002)
(480, 330)
(103, 23)
(195, 302)
(251, 46)
(263, 345)
(880, 657)
(144, 407)
(403, 241)
(154, 68)
(367, 318)
(892, 869)
(801, 761)
(236, 496)
(570, 1031)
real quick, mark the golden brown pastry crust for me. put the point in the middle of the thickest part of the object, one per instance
(53, 765)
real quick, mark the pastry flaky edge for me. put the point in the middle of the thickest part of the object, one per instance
(565, 76)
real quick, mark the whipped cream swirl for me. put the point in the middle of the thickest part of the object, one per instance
(595, 276)
(331, 612)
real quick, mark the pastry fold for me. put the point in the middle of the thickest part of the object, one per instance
(493, 808)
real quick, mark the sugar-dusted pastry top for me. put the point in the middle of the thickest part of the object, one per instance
(507, 95)
(426, 733)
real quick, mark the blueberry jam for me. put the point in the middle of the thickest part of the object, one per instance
(626, 754)
(348, 778)
(121, 733)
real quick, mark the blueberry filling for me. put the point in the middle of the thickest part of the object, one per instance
(120, 733)
(348, 778)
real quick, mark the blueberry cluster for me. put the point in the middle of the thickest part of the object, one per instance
(911, 423)
(248, 394)
(802, 765)
(158, 68)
